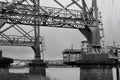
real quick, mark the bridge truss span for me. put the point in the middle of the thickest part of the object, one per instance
(17, 40)
(18, 13)
(47, 16)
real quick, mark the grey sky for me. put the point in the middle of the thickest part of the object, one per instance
(57, 40)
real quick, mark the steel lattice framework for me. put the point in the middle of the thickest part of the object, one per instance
(29, 12)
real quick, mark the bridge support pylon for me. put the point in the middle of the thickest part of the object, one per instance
(37, 66)
(96, 73)
(96, 67)
(36, 50)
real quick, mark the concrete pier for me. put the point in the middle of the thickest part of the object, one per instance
(96, 73)
(96, 67)
(37, 67)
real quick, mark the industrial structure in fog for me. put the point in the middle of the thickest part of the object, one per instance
(71, 55)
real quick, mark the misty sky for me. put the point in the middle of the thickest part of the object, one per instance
(57, 40)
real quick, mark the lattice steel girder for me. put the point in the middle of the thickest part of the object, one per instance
(16, 40)
(23, 14)
(12, 43)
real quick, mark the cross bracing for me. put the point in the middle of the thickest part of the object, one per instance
(47, 16)
(31, 13)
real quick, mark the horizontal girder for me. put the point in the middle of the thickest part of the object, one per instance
(47, 16)
(15, 40)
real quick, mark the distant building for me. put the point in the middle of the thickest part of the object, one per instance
(71, 55)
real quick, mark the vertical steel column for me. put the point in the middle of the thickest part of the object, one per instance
(36, 46)
(94, 2)
(117, 64)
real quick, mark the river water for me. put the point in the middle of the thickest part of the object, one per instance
(59, 73)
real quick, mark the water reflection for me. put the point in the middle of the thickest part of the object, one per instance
(55, 73)
(24, 70)
(59, 73)
(63, 73)
(22, 74)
